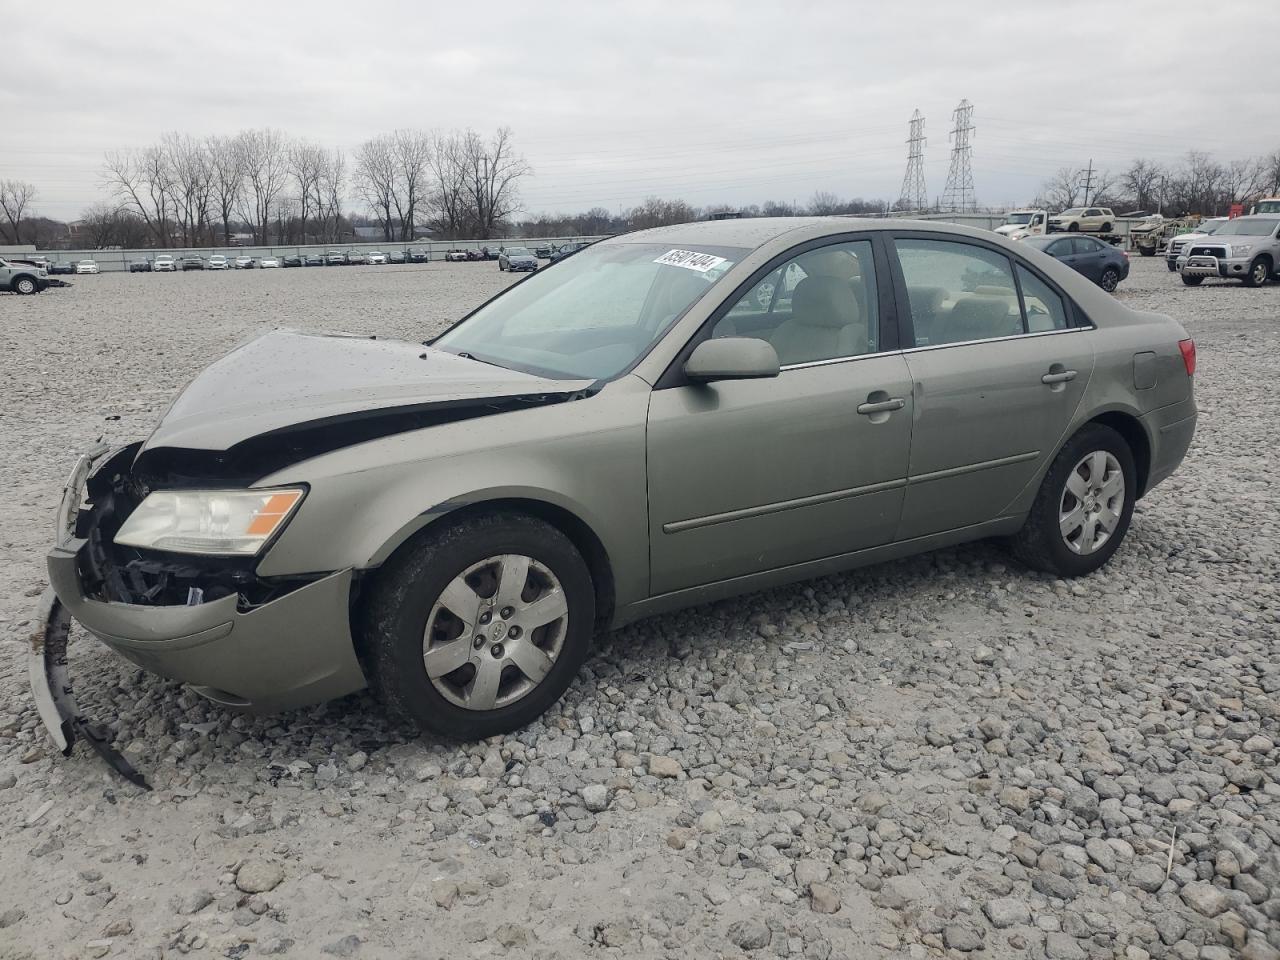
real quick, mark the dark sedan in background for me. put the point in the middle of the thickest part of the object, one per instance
(1100, 262)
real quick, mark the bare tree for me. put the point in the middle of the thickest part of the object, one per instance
(375, 179)
(15, 197)
(141, 180)
(1241, 181)
(448, 197)
(656, 212)
(266, 173)
(332, 187)
(306, 167)
(411, 153)
(1142, 181)
(191, 176)
(824, 203)
(492, 181)
(113, 225)
(1062, 190)
(226, 168)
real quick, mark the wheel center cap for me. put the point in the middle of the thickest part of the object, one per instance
(499, 630)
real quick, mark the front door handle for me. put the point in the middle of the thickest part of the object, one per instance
(881, 406)
(1058, 376)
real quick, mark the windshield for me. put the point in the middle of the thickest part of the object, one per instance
(1018, 218)
(1246, 227)
(1073, 212)
(1267, 206)
(595, 314)
(516, 252)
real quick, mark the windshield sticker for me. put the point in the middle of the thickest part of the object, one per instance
(701, 262)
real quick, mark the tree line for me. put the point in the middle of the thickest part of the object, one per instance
(1197, 184)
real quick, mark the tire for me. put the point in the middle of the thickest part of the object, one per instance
(1073, 228)
(406, 600)
(1173, 266)
(1041, 543)
(25, 286)
(1106, 228)
(501, 268)
(1192, 281)
(1109, 280)
(1147, 251)
(1259, 273)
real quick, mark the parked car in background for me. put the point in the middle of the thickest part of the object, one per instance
(1083, 219)
(24, 278)
(217, 262)
(544, 250)
(1205, 228)
(335, 259)
(375, 256)
(164, 263)
(398, 256)
(419, 256)
(62, 268)
(636, 442)
(1100, 262)
(356, 257)
(516, 259)
(268, 263)
(192, 261)
(456, 256)
(488, 253)
(316, 260)
(291, 260)
(475, 255)
(567, 248)
(1266, 205)
(244, 263)
(139, 266)
(86, 266)
(1246, 249)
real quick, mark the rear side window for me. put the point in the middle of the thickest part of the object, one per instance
(1045, 309)
(958, 292)
(1086, 244)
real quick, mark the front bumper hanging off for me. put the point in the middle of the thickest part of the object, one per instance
(51, 689)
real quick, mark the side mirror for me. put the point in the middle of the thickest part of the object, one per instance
(732, 358)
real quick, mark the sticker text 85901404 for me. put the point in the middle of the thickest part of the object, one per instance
(702, 262)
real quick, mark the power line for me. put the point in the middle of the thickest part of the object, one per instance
(959, 193)
(914, 196)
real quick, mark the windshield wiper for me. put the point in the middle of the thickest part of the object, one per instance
(471, 356)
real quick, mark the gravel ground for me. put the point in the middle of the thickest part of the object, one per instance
(932, 757)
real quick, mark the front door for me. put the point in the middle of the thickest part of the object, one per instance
(751, 475)
(997, 378)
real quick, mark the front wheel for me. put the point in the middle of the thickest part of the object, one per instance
(1082, 511)
(1259, 273)
(477, 629)
(1110, 279)
(1192, 281)
(1172, 265)
(24, 285)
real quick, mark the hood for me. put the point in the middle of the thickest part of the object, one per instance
(521, 256)
(1009, 228)
(285, 381)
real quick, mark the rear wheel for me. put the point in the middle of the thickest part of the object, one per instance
(24, 285)
(1106, 228)
(1192, 281)
(1259, 273)
(1073, 227)
(1082, 511)
(1147, 251)
(1110, 279)
(477, 629)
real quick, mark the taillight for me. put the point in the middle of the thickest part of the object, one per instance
(1188, 348)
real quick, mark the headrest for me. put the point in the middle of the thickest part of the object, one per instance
(824, 302)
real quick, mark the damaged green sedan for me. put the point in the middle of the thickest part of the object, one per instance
(665, 418)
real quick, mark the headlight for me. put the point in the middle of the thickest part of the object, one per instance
(230, 522)
(1240, 249)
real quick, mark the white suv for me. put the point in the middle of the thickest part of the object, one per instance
(1084, 219)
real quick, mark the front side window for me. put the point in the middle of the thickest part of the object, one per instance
(1060, 248)
(958, 292)
(820, 305)
(595, 314)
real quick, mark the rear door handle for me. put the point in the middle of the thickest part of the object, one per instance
(1063, 376)
(881, 406)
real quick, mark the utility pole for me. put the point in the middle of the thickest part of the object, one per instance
(1088, 181)
(958, 195)
(914, 197)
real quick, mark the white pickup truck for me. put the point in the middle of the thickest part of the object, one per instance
(1024, 223)
(1246, 248)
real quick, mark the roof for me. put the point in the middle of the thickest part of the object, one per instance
(758, 231)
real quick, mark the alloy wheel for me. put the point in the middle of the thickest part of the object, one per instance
(1260, 273)
(495, 632)
(1092, 502)
(1110, 280)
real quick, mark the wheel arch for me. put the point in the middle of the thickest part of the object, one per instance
(14, 280)
(580, 534)
(1135, 435)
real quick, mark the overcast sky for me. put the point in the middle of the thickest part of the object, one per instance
(709, 101)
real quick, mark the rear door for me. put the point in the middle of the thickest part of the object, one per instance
(998, 368)
(1090, 255)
